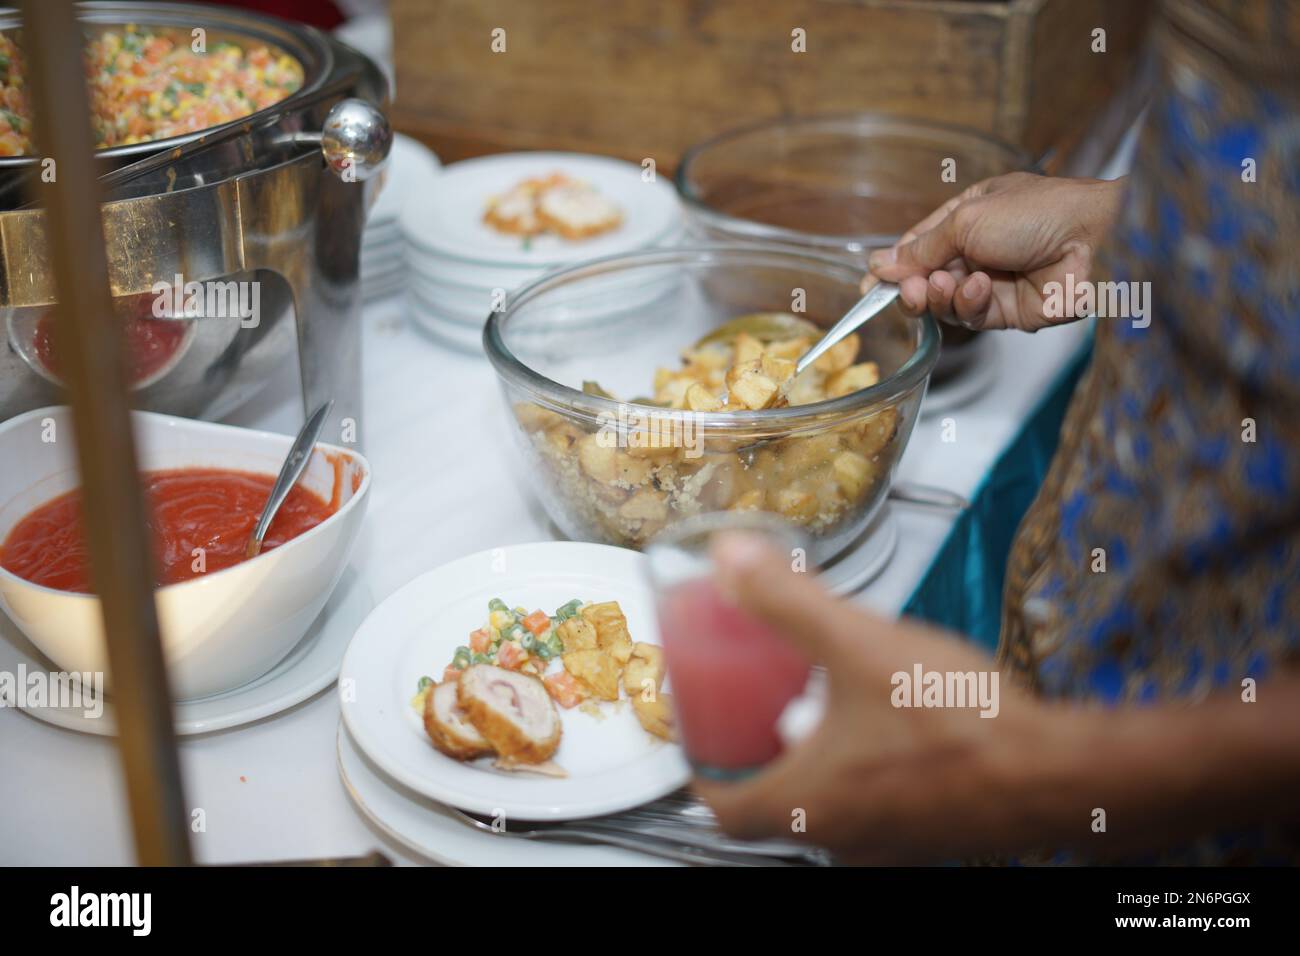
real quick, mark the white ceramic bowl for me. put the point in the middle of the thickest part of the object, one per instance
(223, 629)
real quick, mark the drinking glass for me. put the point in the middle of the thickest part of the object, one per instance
(731, 674)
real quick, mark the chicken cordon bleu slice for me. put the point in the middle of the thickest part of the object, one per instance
(447, 727)
(512, 711)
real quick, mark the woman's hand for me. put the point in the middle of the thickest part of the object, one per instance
(982, 259)
(874, 782)
(883, 783)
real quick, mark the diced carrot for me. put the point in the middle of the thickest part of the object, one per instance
(480, 640)
(537, 622)
(450, 673)
(564, 689)
(510, 655)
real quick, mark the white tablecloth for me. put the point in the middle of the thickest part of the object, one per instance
(444, 487)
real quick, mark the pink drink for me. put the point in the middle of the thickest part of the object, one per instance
(731, 675)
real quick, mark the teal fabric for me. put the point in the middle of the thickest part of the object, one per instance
(962, 589)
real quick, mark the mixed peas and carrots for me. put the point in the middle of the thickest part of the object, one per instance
(148, 84)
(518, 639)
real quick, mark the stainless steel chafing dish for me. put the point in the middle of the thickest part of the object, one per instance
(277, 198)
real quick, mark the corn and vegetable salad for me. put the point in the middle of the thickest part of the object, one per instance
(523, 640)
(148, 84)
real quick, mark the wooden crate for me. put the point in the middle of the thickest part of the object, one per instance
(640, 79)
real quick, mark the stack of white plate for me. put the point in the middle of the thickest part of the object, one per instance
(411, 166)
(459, 268)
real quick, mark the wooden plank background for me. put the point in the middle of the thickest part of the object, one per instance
(637, 79)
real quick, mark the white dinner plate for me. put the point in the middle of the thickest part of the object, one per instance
(411, 165)
(611, 761)
(381, 248)
(455, 303)
(427, 828)
(446, 216)
(472, 275)
(310, 667)
(374, 289)
(453, 331)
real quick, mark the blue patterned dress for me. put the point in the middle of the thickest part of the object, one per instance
(1179, 464)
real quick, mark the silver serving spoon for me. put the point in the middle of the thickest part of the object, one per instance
(866, 308)
(290, 472)
(876, 299)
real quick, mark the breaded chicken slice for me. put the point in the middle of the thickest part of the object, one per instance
(512, 711)
(576, 211)
(515, 211)
(447, 727)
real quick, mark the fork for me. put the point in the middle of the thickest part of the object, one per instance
(627, 838)
(681, 816)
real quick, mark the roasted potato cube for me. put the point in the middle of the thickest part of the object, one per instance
(647, 505)
(597, 457)
(852, 379)
(876, 431)
(734, 373)
(852, 472)
(561, 438)
(700, 399)
(788, 348)
(840, 356)
(751, 500)
(644, 672)
(709, 357)
(534, 417)
(797, 505)
(748, 385)
(748, 349)
(807, 387)
(654, 443)
(630, 470)
(778, 370)
(656, 716)
(577, 635)
(611, 629)
(673, 392)
(616, 645)
(801, 455)
(595, 670)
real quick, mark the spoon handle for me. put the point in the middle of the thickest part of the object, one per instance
(290, 472)
(877, 297)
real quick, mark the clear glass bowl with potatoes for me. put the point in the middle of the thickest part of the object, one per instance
(648, 387)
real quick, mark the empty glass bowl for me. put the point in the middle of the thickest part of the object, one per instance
(841, 184)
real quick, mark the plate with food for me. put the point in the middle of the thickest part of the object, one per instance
(537, 209)
(524, 682)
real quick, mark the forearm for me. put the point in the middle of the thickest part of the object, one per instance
(1160, 774)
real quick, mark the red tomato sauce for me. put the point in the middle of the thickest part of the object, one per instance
(190, 508)
(150, 344)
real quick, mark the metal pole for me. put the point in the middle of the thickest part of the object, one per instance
(91, 353)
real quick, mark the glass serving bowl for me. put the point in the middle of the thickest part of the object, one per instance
(840, 184)
(618, 471)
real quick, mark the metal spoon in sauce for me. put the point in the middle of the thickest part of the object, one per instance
(290, 472)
